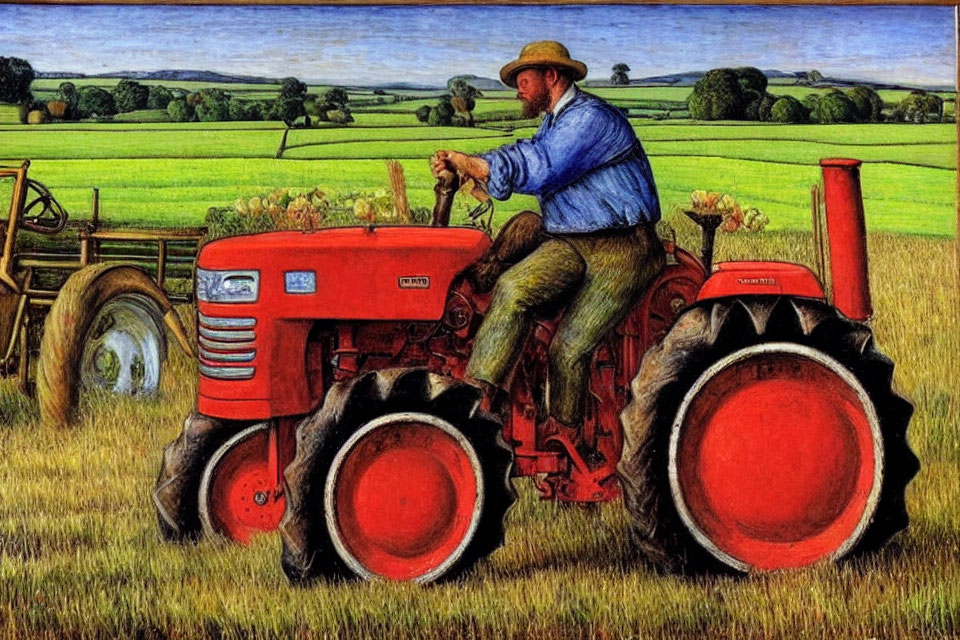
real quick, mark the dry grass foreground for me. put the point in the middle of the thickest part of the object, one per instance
(80, 556)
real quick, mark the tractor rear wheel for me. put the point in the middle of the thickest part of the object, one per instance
(763, 434)
(398, 476)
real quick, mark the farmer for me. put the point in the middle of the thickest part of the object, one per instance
(597, 250)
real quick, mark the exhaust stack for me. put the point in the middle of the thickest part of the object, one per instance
(847, 234)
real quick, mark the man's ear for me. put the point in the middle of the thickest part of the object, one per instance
(551, 76)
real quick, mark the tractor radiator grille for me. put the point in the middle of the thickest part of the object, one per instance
(224, 343)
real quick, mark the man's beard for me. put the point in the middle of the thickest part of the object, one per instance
(536, 105)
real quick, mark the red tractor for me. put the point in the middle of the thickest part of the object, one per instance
(748, 424)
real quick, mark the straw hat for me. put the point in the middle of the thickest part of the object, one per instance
(545, 53)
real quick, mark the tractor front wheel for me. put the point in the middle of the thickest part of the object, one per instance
(185, 463)
(240, 490)
(398, 476)
(763, 434)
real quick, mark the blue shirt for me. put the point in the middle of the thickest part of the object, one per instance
(585, 165)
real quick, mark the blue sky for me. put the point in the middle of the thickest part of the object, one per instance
(428, 44)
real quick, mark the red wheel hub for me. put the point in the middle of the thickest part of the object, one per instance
(243, 496)
(773, 463)
(405, 497)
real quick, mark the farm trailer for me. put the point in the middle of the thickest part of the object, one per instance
(101, 296)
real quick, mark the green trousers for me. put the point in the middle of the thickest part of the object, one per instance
(597, 277)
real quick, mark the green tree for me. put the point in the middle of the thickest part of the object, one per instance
(441, 115)
(463, 99)
(16, 74)
(788, 109)
(289, 109)
(213, 106)
(459, 87)
(95, 102)
(868, 102)
(811, 102)
(67, 92)
(159, 97)
(423, 113)
(758, 105)
(129, 95)
(716, 96)
(336, 96)
(292, 89)
(920, 107)
(620, 71)
(291, 103)
(833, 108)
(242, 111)
(751, 78)
(179, 110)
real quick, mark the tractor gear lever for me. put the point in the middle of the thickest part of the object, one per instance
(708, 223)
(447, 184)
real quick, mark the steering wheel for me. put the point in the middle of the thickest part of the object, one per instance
(51, 218)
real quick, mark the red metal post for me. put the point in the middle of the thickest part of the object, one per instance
(848, 237)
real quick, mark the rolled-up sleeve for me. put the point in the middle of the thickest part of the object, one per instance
(503, 172)
(556, 156)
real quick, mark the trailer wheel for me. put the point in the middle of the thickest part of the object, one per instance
(763, 434)
(104, 331)
(398, 476)
(239, 496)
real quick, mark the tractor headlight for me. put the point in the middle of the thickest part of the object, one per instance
(227, 286)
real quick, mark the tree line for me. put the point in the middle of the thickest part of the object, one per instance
(204, 105)
(741, 94)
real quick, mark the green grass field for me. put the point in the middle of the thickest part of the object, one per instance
(171, 173)
(80, 556)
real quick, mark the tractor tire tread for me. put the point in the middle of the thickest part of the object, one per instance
(705, 333)
(308, 552)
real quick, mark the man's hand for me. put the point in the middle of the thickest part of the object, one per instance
(470, 166)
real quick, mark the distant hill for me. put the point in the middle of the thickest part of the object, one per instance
(481, 83)
(399, 86)
(165, 74)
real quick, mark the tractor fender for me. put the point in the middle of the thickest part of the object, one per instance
(745, 278)
(71, 314)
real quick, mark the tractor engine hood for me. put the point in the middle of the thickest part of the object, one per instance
(349, 273)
